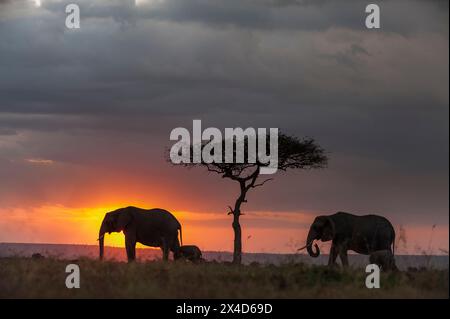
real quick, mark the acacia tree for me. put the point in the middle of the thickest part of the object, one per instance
(293, 153)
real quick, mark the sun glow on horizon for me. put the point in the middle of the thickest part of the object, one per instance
(269, 232)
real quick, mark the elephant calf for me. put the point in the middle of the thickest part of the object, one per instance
(189, 252)
(384, 259)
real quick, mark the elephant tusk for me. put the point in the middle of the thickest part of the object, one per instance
(310, 243)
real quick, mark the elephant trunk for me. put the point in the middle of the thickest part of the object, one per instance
(101, 241)
(309, 244)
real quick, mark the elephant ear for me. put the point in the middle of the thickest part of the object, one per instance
(123, 219)
(329, 229)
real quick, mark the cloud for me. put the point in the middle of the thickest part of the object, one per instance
(271, 14)
(39, 161)
(102, 100)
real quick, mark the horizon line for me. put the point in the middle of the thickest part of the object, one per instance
(212, 251)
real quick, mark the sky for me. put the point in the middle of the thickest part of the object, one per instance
(85, 115)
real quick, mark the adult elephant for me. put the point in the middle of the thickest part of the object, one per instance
(362, 234)
(151, 227)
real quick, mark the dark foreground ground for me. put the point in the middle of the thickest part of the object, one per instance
(45, 278)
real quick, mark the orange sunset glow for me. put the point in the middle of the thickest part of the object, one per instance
(268, 232)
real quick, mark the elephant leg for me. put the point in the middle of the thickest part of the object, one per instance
(333, 255)
(165, 249)
(343, 256)
(130, 245)
(175, 247)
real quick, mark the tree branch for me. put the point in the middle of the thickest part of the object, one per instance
(262, 183)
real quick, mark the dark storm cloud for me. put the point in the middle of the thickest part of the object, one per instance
(377, 100)
(273, 14)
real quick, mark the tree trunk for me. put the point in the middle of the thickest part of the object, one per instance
(237, 253)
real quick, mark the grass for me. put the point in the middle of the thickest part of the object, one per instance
(45, 278)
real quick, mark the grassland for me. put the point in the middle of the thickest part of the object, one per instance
(45, 278)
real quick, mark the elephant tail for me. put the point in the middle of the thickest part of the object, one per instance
(393, 243)
(393, 246)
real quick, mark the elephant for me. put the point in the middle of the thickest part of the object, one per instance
(362, 234)
(189, 252)
(384, 259)
(151, 227)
